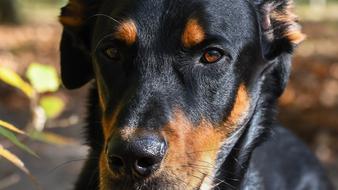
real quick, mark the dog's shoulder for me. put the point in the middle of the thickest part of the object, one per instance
(284, 162)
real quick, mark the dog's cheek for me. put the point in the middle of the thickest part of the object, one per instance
(240, 109)
(192, 149)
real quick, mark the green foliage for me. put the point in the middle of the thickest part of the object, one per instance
(12, 137)
(52, 105)
(43, 79)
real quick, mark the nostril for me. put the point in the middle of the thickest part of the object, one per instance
(145, 162)
(116, 163)
(144, 166)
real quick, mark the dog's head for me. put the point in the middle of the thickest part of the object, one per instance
(176, 79)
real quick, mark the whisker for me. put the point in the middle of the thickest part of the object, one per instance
(202, 151)
(103, 15)
(224, 182)
(220, 181)
(198, 166)
(203, 161)
(239, 164)
(100, 41)
(176, 177)
(64, 164)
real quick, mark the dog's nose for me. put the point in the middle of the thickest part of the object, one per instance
(140, 157)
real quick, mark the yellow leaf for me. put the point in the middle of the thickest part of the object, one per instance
(13, 159)
(11, 127)
(18, 163)
(13, 79)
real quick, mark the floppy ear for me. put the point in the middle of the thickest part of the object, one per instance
(279, 26)
(76, 67)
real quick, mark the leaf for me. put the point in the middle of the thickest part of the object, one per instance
(44, 78)
(51, 138)
(13, 159)
(52, 105)
(11, 127)
(11, 137)
(18, 163)
(13, 79)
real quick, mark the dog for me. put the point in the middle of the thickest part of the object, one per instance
(184, 94)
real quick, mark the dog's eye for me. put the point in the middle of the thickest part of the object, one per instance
(212, 56)
(112, 53)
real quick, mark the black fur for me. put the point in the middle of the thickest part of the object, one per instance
(157, 74)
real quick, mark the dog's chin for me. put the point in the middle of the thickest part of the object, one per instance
(158, 183)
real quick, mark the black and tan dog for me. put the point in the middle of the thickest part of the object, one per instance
(185, 94)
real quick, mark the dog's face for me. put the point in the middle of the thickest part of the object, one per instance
(175, 79)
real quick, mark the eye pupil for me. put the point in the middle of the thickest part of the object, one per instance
(212, 56)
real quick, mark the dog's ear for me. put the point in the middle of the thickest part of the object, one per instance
(281, 32)
(76, 67)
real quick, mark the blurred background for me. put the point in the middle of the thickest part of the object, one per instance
(40, 137)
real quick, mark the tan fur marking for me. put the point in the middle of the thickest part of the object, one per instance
(192, 150)
(240, 107)
(127, 32)
(104, 172)
(193, 34)
(295, 37)
(109, 122)
(293, 31)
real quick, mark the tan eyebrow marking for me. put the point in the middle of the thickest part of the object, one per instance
(193, 33)
(127, 32)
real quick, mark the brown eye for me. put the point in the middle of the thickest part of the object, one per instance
(111, 53)
(212, 56)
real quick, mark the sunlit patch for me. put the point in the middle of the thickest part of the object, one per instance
(127, 32)
(193, 33)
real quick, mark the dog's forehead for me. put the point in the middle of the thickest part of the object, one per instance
(169, 16)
